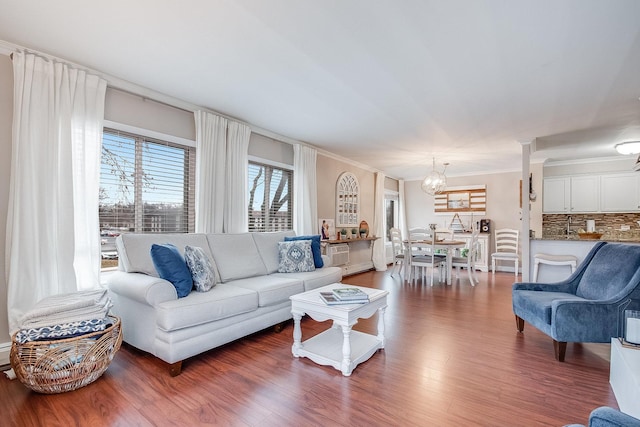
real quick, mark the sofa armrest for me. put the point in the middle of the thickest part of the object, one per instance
(142, 288)
(326, 260)
(582, 320)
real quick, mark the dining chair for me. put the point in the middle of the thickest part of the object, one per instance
(506, 244)
(398, 249)
(423, 256)
(468, 259)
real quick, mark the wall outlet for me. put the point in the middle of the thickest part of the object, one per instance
(625, 227)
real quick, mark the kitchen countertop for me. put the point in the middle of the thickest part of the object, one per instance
(576, 238)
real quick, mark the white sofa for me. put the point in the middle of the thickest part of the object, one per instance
(252, 295)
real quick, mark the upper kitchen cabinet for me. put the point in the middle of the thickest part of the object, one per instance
(585, 193)
(556, 194)
(620, 192)
(571, 194)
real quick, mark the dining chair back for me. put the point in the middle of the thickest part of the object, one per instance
(468, 261)
(398, 249)
(423, 256)
(506, 241)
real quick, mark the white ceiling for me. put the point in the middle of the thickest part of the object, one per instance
(387, 83)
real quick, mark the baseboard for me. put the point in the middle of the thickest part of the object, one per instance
(5, 349)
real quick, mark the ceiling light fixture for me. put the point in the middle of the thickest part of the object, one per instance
(435, 182)
(629, 147)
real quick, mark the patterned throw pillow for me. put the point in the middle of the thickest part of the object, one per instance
(315, 247)
(202, 271)
(295, 256)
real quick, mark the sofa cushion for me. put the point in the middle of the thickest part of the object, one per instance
(317, 278)
(133, 249)
(220, 302)
(172, 267)
(267, 244)
(236, 256)
(315, 248)
(295, 256)
(201, 267)
(609, 272)
(538, 304)
(271, 289)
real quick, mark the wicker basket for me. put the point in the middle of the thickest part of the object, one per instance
(63, 365)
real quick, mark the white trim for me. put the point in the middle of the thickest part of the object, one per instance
(587, 161)
(270, 162)
(149, 133)
(5, 349)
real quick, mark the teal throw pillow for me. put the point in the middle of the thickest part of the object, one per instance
(171, 266)
(315, 248)
(295, 257)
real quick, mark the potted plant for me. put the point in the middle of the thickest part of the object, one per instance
(354, 233)
(343, 233)
(363, 233)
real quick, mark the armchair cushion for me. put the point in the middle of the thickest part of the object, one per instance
(538, 304)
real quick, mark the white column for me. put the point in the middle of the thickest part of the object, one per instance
(526, 206)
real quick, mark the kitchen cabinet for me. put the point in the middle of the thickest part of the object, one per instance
(585, 193)
(620, 192)
(571, 194)
(556, 194)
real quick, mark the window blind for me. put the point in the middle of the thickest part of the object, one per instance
(146, 185)
(270, 204)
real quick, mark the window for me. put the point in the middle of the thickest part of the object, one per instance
(270, 204)
(391, 203)
(146, 186)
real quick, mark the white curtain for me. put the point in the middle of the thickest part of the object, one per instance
(305, 198)
(402, 216)
(222, 150)
(211, 155)
(53, 240)
(379, 256)
(236, 212)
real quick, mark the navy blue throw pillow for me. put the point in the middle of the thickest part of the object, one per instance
(315, 248)
(172, 267)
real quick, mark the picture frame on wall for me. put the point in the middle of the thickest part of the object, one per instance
(327, 229)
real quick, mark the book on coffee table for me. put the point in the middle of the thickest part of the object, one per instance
(345, 294)
(329, 298)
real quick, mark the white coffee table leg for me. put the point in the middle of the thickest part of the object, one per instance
(381, 311)
(346, 351)
(297, 334)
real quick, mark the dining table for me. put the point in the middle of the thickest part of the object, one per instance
(449, 246)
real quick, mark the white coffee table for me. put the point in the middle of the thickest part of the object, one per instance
(338, 346)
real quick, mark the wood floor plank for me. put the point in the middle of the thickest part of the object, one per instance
(452, 356)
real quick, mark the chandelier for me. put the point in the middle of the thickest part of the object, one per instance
(435, 182)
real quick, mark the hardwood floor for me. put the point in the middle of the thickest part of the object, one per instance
(452, 357)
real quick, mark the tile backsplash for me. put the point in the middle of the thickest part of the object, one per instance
(554, 225)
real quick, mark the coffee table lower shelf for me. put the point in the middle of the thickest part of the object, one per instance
(327, 347)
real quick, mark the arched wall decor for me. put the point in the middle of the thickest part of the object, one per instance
(347, 200)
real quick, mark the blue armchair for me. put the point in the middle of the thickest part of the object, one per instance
(609, 417)
(587, 306)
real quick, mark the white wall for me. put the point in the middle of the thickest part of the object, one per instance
(503, 201)
(328, 171)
